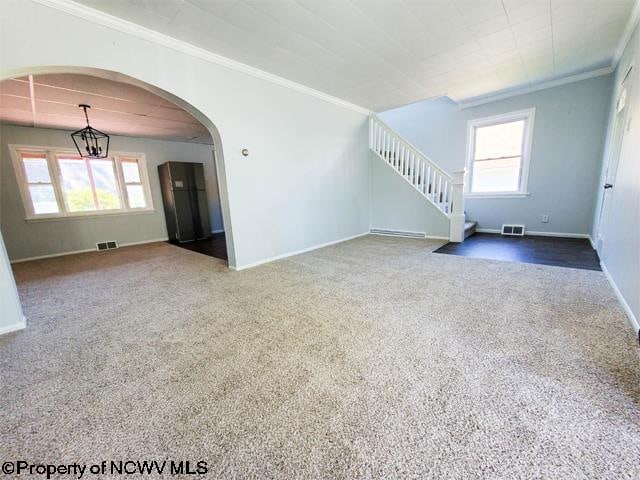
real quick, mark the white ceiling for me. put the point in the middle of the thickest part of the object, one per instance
(116, 108)
(384, 53)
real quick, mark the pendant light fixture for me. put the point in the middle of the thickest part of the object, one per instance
(89, 142)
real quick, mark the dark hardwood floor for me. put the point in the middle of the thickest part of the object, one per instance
(214, 247)
(560, 252)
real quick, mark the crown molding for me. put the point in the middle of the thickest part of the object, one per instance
(626, 33)
(130, 28)
(474, 101)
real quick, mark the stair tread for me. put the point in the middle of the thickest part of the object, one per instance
(468, 225)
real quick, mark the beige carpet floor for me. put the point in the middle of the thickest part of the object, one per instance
(369, 359)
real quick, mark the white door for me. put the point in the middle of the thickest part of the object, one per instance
(619, 129)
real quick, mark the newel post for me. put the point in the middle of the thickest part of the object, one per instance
(456, 227)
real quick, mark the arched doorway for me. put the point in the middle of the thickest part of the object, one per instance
(12, 312)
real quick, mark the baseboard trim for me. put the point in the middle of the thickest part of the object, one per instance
(217, 231)
(51, 255)
(74, 252)
(633, 321)
(297, 252)
(14, 327)
(542, 234)
(153, 240)
(435, 237)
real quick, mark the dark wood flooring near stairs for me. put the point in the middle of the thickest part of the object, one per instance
(216, 246)
(560, 252)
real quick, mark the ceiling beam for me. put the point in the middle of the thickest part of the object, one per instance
(32, 95)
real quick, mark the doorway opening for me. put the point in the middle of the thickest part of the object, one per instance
(82, 202)
(611, 169)
(57, 203)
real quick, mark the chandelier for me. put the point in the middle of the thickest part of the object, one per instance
(89, 142)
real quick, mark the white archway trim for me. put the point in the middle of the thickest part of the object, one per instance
(93, 15)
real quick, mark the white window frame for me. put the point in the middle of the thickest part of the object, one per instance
(54, 173)
(528, 115)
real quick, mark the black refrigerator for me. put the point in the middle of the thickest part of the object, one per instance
(184, 195)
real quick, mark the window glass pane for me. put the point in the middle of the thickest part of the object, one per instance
(43, 199)
(35, 166)
(104, 179)
(130, 171)
(76, 184)
(136, 196)
(496, 175)
(503, 140)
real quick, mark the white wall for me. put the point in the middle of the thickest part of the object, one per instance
(305, 181)
(568, 137)
(38, 238)
(10, 310)
(620, 247)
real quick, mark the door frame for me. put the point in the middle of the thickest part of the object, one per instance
(620, 127)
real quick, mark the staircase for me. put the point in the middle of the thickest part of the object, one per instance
(443, 191)
(469, 229)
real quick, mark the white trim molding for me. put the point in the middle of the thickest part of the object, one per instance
(501, 95)
(497, 195)
(633, 321)
(296, 252)
(86, 250)
(110, 21)
(14, 327)
(626, 34)
(540, 234)
(529, 116)
(102, 214)
(437, 237)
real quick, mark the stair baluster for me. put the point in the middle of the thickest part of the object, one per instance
(442, 190)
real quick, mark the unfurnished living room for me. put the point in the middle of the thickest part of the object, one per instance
(337, 239)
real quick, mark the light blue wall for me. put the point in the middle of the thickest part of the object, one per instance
(396, 205)
(568, 138)
(47, 237)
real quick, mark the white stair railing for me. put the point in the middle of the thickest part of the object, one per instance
(442, 190)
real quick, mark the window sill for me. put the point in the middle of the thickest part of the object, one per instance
(57, 218)
(497, 195)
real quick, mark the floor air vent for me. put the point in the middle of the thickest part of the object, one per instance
(517, 230)
(109, 245)
(398, 233)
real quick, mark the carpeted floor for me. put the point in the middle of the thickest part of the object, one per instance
(369, 359)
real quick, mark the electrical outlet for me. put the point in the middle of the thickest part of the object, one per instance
(545, 218)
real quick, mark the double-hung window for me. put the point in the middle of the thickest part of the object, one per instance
(38, 183)
(134, 187)
(498, 154)
(57, 183)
